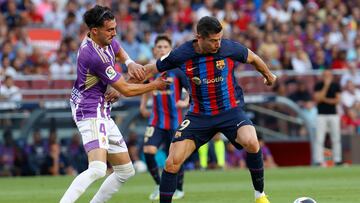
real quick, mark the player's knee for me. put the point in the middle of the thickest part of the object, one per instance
(124, 172)
(172, 166)
(97, 169)
(252, 146)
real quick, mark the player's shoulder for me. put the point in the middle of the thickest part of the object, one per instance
(184, 49)
(90, 53)
(228, 43)
(181, 53)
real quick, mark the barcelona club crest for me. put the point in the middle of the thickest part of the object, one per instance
(220, 64)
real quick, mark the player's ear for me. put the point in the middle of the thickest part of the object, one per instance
(94, 30)
(198, 36)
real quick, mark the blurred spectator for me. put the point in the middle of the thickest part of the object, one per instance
(6, 68)
(205, 9)
(350, 122)
(61, 68)
(131, 45)
(319, 62)
(327, 96)
(234, 157)
(237, 158)
(76, 154)
(145, 49)
(300, 61)
(351, 74)
(350, 96)
(151, 18)
(301, 93)
(7, 155)
(12, 15)
(10, 92)
(133, 146)
(37, 152)
(212, 154)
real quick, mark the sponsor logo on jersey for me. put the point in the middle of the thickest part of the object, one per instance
(190, 69)
(214, 80)
(110, 72)
(196, 80)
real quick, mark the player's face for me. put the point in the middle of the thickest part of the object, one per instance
(161, 48)
(106, 33)
(210, 44)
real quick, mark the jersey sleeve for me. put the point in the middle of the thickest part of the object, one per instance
(105, 71)
(183, 79)
(239, 52)
(170, 61)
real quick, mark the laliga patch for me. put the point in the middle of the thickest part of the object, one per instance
(110, 72)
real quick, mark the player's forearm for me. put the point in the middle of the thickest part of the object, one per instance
(261, 67)
(259, 64)
(132, 89)
(137, 89)
(150, 70)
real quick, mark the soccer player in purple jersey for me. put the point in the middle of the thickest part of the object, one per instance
(102, 139)
(217, 102)
(164, 118)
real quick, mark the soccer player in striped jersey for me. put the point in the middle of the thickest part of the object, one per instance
(165, 116)
(90, 107)
(217, 102)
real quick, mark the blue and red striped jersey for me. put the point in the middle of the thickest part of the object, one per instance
(213, 88)
(164, 113)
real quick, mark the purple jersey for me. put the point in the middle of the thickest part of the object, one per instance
(95, 70)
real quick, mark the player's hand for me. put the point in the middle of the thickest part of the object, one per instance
(270, 80)
(161, 82)
(111, 95)
(145, 113)
(136, 71)
(181, 104)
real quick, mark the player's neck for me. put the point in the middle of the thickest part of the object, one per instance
(96, 41)
(197, 48)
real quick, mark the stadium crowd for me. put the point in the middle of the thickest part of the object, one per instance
(297, 35)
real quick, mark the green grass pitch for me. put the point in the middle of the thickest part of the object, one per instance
(283, 185)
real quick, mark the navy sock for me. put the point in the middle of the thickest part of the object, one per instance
(152, 167)
(254, 162)
(180, 178)
(167, 186)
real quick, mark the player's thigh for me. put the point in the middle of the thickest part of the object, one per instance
(98, 154)
(119, 158)
(94, 138)
(195, 128)
(237, 127)
(116, 140)
(181, 150)
(246, 137)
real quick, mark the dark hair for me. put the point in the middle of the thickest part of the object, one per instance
(163, 37)
(208, 25)
(96, 16)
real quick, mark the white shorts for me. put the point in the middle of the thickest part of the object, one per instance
(101, 133)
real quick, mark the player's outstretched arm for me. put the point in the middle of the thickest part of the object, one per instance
(132, 89)
(143, 110)
(150, 70)
(255, 60)
(184, 103)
